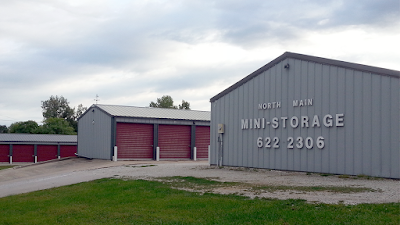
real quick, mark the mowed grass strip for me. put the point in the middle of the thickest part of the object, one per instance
(117, 201)
(5, 167)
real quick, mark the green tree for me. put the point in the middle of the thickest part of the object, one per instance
(3, 129)
(56, 126)
(58, 107)
(166, 101)
(29, 127)
(184, 105)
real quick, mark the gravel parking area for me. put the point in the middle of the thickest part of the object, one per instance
(64, 172)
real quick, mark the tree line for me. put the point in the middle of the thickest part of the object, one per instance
(60, 118)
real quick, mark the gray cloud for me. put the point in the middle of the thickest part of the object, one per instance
(128, 52)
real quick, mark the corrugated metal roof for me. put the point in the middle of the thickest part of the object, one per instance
(324, 61)
(160, 113)
(43, 138)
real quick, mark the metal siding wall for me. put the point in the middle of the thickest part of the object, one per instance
(341, 107)
(94, 140)
(261, 152)
(269, 153)
(367, 144)
(221, 117)
(326, 88)
(236, 137)
(310, 92)
(349, 132)
(395, 129)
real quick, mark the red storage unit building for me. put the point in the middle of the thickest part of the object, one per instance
(46, 152)
(202, 141)
(174, 141)
(23, 153)
(32, 148)
(143, 133)
(68, 150)
(135, 141)
(4, 151)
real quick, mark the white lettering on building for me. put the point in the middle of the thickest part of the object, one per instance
(303, 121)
(269, 105)
(305, 102)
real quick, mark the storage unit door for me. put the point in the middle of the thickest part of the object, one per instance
(23, 153)
(202, 141)
(174, 141)
(4, 151)
(135, 141)
(67, 150)
(46, 152)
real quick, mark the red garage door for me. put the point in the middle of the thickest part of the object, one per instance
(202, 141)
(67, 150)
(4, 150)
(174, 141)
(23, 153)
(135, 141)
(46, 152)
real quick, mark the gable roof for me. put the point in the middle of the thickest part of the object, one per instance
(40, 138)
(158, 113)
(324, 61)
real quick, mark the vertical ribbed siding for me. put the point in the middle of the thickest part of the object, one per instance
(135, 141)
(174, 141)
(94, 135)
(367, 144)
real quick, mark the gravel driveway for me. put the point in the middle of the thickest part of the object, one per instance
(75, 170)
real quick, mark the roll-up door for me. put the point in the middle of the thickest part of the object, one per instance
(46, 152)
(174, 141)
(135, 141)
(23, 153)
(202, 141)
(4, 151)
(67, 150)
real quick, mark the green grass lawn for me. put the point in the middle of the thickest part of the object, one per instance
(117, 201)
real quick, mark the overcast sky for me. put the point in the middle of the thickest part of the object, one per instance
(132, 52)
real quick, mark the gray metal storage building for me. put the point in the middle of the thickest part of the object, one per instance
(36, 147)
(305, 113)
(134, 133)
